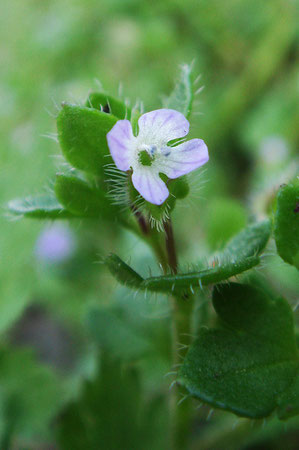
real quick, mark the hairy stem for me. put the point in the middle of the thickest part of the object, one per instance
(151, 237)
(182, 309)
(159, 251)
(143, 224)
(170, 246)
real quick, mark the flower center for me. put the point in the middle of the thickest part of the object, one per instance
(145, 158)
(147, 155)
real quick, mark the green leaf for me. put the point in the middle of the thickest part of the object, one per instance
(191, 280)
(172, 283)
(43, 206)
(249, 242)
(286, 223)
(123, 273)
(109, 105)
(248, 363)
(115, 336)
(288, 402)
(239, 255)
(80, 199)
(82, 135)
(181, 97)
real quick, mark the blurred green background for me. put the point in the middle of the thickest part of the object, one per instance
(55, 50)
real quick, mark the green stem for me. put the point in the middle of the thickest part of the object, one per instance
(144, 227)
(170, 246)
(159, 251)
(182, 308)
(151, 236)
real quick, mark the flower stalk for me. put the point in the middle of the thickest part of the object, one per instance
(181, 308)
(170, 246)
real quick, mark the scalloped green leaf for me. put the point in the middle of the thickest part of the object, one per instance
(80, 199)
(181, 97)
(248, 362)
(82, 135)
(43, 206)
(286, 222)
(109, 105)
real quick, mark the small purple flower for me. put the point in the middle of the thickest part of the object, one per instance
(55, 244)
(148, 154)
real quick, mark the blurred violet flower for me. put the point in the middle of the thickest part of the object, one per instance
(148, 154)
(55, 244)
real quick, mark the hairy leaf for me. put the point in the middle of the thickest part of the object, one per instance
(109, 105)
(79, 198)
(182, 96)
(171, 283)
(122, 272)
(82, 135)
(286, 223)
(43, 206)
(249, 242)
(239, 255)
(246, 365)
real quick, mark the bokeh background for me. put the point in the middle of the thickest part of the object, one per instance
(56, 50)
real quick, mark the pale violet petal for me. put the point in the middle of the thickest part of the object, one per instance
(184, 158)
(121, 143)
(150, 186)
(161, 126)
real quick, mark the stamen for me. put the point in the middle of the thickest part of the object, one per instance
(165, 151)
